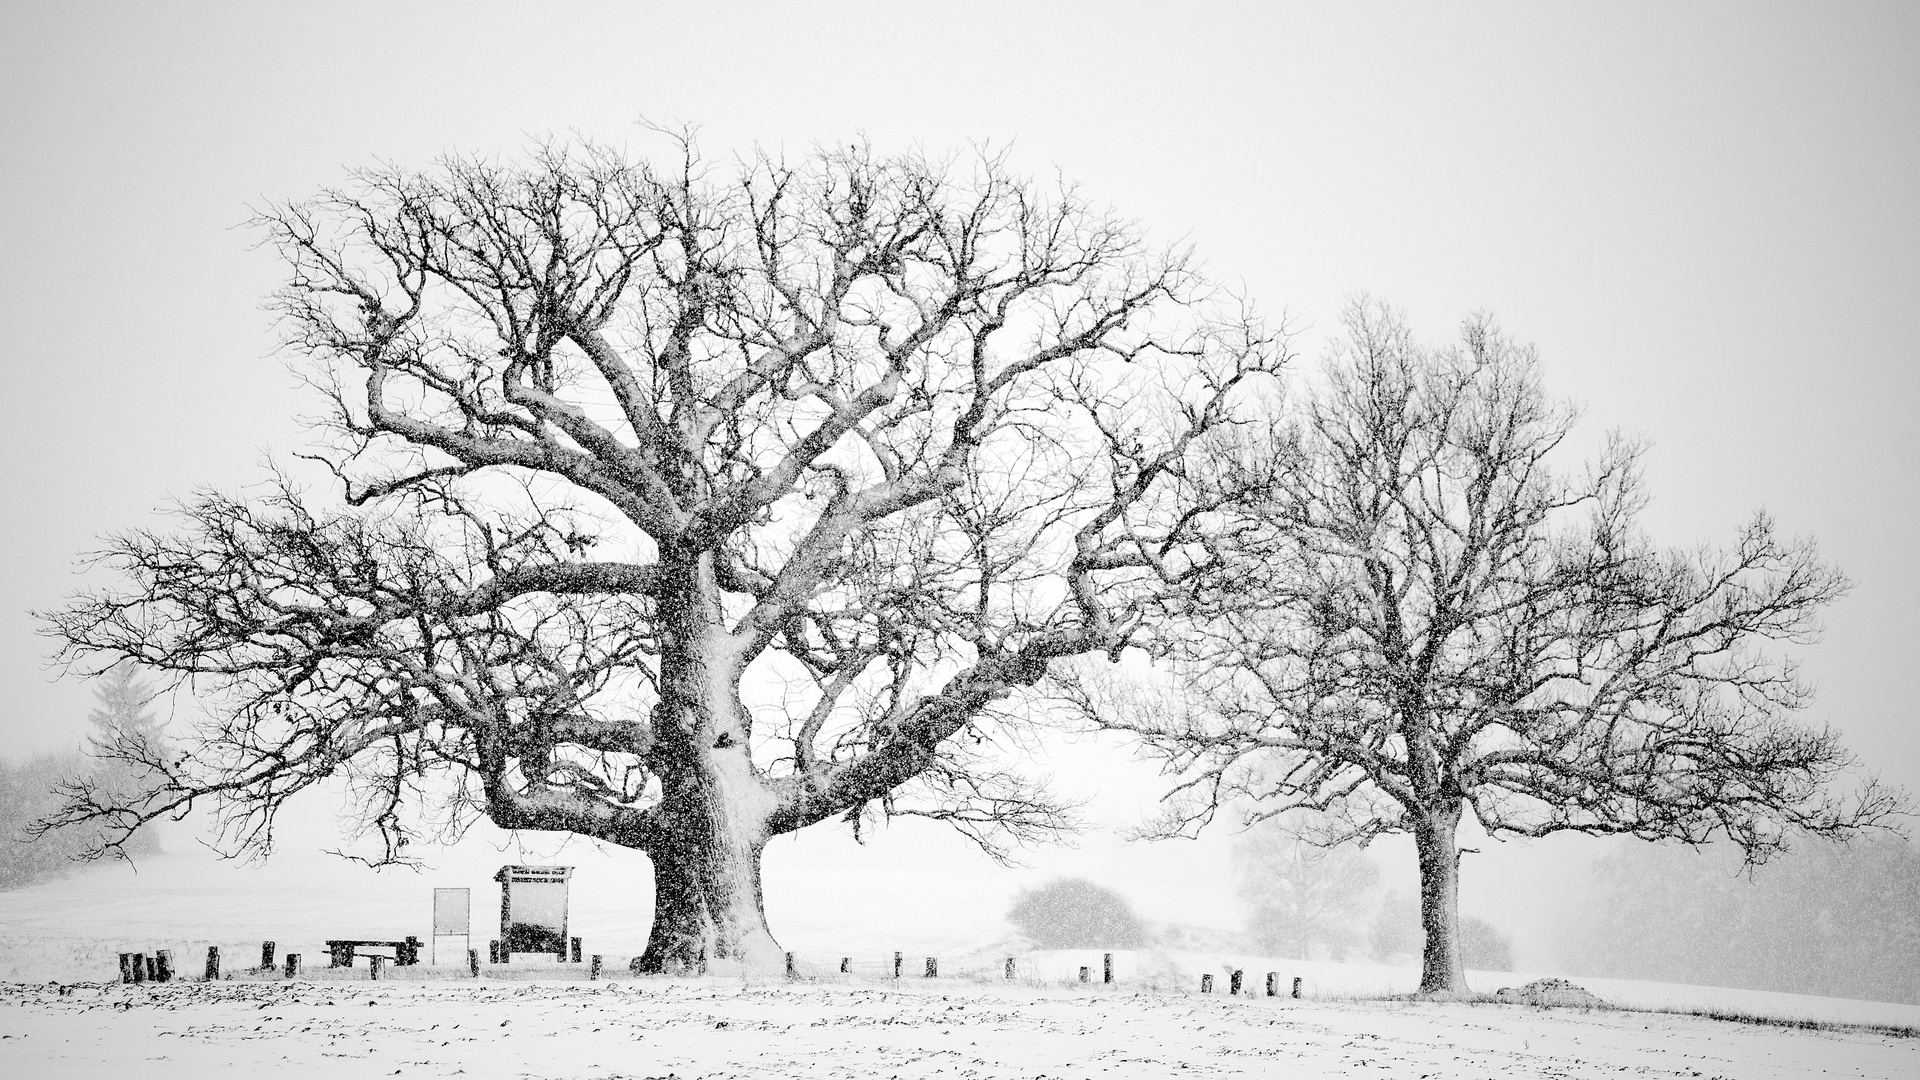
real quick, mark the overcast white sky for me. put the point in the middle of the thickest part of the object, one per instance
(1707, 216)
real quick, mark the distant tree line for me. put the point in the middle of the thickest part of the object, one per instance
(1301, 901)
(29, 788)
(26, 794)
(1828, 919)
(1312, 902)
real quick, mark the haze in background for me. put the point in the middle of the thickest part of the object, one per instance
(1704, 217)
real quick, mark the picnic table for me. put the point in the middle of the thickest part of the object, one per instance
(343, 950)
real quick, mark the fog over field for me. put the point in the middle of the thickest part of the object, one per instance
(1702, 218)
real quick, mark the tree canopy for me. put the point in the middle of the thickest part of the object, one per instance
(683, 506)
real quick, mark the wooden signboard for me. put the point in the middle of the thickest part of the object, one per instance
(533, 909)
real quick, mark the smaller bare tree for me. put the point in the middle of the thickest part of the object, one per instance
(1419, 616)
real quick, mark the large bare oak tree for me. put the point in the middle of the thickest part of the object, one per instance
(1422, 617)
(684, 507)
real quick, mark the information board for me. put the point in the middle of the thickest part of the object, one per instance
(452, 911)
(452, 918)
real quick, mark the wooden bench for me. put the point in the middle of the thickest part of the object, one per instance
(343, 950)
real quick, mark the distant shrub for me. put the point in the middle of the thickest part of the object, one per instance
(1484, 948)
(1074, 913)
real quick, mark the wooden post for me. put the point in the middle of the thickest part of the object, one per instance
(378, 962)
(933, 968)
(266, 956)
(789, 965)
(1273, 984)
(213, 963)
(293, 965)
(896, 964)
(1296, 985)
(163, 965)
(575, 943)
(126, 967)
(593, 972)
(153, 969)
(1233, 983)
(1106, 967)
(1086, 973)
(473, 962)
(139, 967)
(1009, 967)
(1206, 984)
(846, 965)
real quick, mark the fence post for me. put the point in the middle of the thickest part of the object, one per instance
(1273, 984)
(126, 967)
(163, 965)
(1086, 973)
(576, 950)
(1206, 984)
(153, 968)
(473, 962)
(1233, 983)
(789, 965)
(933, 968)
(293, 965)
(1009, 967)
(1296, 985)
(593, 972)
(213, 963)
(896, 963)
(1106, 967)
(266, 956)
(846, 965)
(377, 961)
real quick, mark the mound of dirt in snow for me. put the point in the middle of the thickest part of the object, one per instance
(1549, 992)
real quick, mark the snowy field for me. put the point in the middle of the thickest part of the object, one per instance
(925, 1028)
(546, 1020)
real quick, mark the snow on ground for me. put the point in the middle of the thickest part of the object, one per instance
(544, 1020)
(717, 1028)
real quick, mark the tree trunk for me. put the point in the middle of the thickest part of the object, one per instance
(1441, 972)
(707, 907)
(714, 806)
